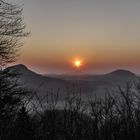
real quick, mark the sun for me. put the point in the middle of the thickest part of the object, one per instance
(77, 63)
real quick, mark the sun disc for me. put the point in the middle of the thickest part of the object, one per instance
(77, 63)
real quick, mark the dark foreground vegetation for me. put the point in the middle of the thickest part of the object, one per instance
(108, 118)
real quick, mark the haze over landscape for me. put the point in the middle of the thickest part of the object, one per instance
(104, 34)
(86, 85)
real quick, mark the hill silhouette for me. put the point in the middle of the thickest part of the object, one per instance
(89, 84)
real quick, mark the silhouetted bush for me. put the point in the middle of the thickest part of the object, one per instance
(12, 98)
(108, 118)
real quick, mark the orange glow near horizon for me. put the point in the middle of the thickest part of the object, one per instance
(92, 32)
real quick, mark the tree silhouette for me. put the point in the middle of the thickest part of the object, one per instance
(23, 125)
(12, 28)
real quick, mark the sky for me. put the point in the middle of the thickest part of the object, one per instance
(103, 34)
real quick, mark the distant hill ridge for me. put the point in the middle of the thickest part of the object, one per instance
(18, 67)
(21, 67)
(89, 84)
(122, 72)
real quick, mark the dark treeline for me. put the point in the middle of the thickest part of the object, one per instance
(107, 118)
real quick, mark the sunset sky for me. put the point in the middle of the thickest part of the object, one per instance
(104, 34)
